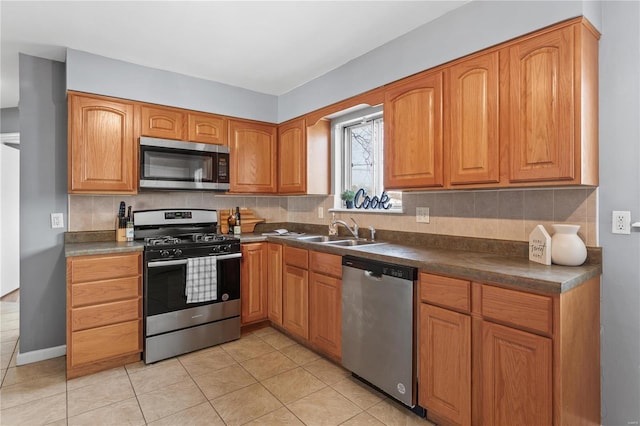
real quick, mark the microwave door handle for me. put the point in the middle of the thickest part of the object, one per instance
(162, 263)
(228, 256)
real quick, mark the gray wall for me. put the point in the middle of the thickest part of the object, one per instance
(9, 120)
(473, 27)
(620, 190)
(43, 190)
(96, 74)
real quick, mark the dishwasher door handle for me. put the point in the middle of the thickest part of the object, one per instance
(370, 275)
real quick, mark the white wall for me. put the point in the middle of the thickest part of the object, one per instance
(9, 219)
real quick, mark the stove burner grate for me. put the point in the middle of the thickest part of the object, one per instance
(163, 240)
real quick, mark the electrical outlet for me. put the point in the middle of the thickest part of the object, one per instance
(621, 222)
(320, 213)
(56, 220)
(422, 214)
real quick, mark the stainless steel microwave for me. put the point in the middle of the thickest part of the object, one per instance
(172, 165)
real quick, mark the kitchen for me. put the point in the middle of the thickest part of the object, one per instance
(455, 206)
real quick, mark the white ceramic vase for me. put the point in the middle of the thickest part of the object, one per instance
(567, 248)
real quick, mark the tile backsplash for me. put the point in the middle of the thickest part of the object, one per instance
(497, 214)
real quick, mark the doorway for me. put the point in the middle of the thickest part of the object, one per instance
(9, 213)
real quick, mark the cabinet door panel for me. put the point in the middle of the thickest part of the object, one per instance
(253, 282)
(542, 107)
(474, 141)
(325, 313)
(274, 282)
(207, 128)
(104, 267)
(445, 363)
(295, 308)
(102, 149)
(162, 122)
(253, 157)
(517, 380)
(413, 134)
(105, 314)
(105, 342)
(292, 161)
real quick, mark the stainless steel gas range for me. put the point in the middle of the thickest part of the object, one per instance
(191, 281)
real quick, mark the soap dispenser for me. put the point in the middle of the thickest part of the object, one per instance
(333, 226)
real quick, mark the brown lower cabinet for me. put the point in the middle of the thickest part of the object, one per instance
(295, 292)
(104, 312)
(495, 356)
(325, 303)
(253, 283)
(274, 283)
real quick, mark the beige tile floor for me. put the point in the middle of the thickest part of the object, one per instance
(265, 378)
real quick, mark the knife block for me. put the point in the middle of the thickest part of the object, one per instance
(121, 233)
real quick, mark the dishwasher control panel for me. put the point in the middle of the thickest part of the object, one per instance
(378, 268)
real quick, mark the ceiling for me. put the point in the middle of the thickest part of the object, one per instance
(267, 46)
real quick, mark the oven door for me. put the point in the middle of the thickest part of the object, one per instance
(165, 284)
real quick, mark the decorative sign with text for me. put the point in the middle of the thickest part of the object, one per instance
(540, 246)
(365, 202)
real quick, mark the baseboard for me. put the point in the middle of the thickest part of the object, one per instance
(40, 355)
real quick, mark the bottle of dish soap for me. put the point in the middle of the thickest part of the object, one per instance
(333, 226)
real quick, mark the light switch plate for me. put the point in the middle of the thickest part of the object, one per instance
(422, 214)
(57, 220)
(320, 213)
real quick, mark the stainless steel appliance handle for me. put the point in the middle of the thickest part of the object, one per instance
(158, 264)
(228, 256)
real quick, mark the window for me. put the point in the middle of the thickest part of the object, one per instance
(359, 156)
(362, 148)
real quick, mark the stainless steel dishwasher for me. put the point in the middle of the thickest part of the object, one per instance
(378, 325)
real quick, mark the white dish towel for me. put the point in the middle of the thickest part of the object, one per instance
(202, 278)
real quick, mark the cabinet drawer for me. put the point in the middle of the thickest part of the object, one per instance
(527, 310)
(325, 263)
(105, 342)
(101, 267)
(108, 313)
(96, 292)
(296, 257)
(449, 292)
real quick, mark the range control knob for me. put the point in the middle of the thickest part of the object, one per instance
(215, 249)
(177, 252)
(227, 248)
(164, 253)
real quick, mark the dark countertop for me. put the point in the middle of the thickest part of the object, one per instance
(100, 247)
(486, 267)
(489, 268)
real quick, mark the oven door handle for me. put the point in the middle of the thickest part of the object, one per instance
(162, 263)
(228, 256)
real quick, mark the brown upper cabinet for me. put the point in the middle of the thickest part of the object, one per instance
(207, 128)
(161, 122)
(102, 145)
(304, 157)
(292, 158)
(554, 106)
(474, 137)
(413, 140)
(524, 113)
(253, 157)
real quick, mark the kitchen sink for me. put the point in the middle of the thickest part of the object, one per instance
(321, 238)
(335, 240)
(354, 242)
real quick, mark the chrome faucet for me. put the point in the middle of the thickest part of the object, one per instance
(373, 232)
(353, 231)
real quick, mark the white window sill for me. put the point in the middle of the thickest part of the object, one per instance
(375, 211)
